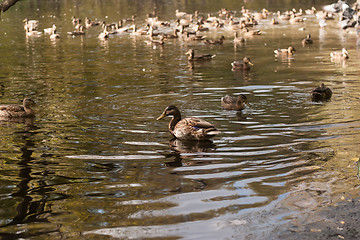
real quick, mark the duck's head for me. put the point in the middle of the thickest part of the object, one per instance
(28, 103)
(291, 49)
(190, 52)
(169, 111)
(242, 98)
(345, 53)
(247, 60)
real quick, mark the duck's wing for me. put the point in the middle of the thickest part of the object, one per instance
(228, 99)
(12, 108)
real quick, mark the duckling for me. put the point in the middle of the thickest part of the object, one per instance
(241, 65)
(321, 93)
(190, 128)
(192, 56)
(307, 40)
(285, 51)
(343, 55)
(220, 41)
(234, 103)
(18, 111)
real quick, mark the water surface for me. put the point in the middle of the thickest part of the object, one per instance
(95, 162)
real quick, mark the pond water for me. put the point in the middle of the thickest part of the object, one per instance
(96, 163)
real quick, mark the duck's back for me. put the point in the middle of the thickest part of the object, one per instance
(12, 111)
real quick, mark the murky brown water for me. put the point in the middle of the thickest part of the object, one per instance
(95, 161)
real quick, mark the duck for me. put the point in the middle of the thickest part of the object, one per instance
(238, 39)
(54, 35)
(220, 41)
(152, 41)
(30, 24)
(193, 37)
(104, 35)
(18, 111)
(81, 31)
(30, 32)
(321, 93)
(242, 65)
(50, 30)
(285, 51)
(192, 56)
(171, 36)
(189, 128)
(250, 33)
(274, 21)
(307, 40)
(234, 102)
(343, 55)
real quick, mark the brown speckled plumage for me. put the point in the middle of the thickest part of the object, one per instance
(18, 111)
(190, 128)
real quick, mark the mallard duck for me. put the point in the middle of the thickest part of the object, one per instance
(234, 103)
(18, 111)
(250, 33)
(274, 21)
(50, 30)
(285, 51)
(321, 93)
(190, 128)
(343, 55)
(171, 36)
(81, 31)
(220, 41)
(54, 35)
(193, 37)
(307, 40)
(30, 25)
(237, 39)
(241, 65)
(152, 41)
(192, 56)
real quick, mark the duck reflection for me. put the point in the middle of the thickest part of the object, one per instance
(180, 147)
(29, 209)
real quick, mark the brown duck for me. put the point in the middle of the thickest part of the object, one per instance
(321, 93)
(234, 103)
(18, 111)
(189, 128)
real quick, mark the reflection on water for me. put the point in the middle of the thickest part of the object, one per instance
(95, 161)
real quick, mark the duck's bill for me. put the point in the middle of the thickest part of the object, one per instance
(162, 116)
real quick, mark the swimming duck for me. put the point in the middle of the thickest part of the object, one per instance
(250, 33)
(343, 55)
(81, 31)
(237, 39)
(18, 111)
(234, 103)
(30, 25)
(307, 40)
(50, 30)
(54, 35)
(192, 56)
(220, 41)
(104, 35)
(241, 65)
(190, 128)
(193, 37)
(321, 93)
(285, 51)
(274, 21)
(152, 41)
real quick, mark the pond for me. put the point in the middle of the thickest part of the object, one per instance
(96, 163)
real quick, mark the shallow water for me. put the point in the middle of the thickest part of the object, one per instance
(95, 161)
